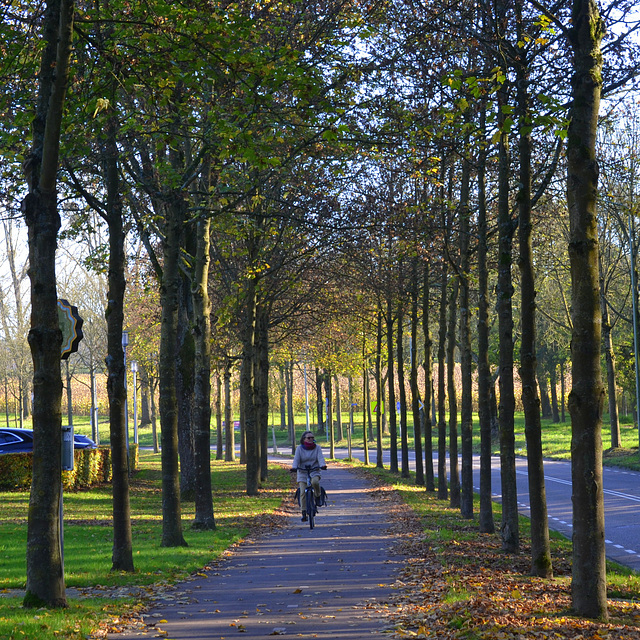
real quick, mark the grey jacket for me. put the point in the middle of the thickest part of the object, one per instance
(311, 457)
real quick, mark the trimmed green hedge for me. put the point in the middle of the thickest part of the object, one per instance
(91, 466)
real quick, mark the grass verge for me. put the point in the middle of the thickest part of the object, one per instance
(99, 597)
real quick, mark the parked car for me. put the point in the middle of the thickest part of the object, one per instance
(21, 441)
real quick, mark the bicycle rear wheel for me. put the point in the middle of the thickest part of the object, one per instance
(311, 508)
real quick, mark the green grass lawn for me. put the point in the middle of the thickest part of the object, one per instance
(88, 541)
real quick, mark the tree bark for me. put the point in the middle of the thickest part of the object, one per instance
(540, 549)
(393, 416)
(185, 384)
(379, 408)
(413, 375)
(428, 383)
(288, 368)
(553, 385)
(454, 477)
(443, 487)
(402, 389)
(201, 332)
(169, 292)
(229, 433)
(219, 418)
(261, 391)
(319, 402)
(510, 531)
(122, 556)
(610, 360)
(247, 384)
(339, 429)
(586, 399)
(486, 521)
(328, 390)
(45, 577)
(466, 399)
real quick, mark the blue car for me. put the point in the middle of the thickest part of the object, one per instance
(21, 441)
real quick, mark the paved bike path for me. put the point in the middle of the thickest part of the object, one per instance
(330, 582)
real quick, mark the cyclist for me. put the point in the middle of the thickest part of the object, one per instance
(308, 454)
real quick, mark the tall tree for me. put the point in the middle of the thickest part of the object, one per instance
(428, 382)
(45, 579)
(509, 529)
(486, 521)
(540, 550)
(588, 587)
(466, 400)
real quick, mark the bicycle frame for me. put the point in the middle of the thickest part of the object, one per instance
(310, 498)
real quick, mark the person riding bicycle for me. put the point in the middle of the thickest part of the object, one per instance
(308, 454)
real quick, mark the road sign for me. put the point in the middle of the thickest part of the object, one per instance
(71, 327)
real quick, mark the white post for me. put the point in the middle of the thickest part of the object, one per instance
(134, 370)
(125, 342)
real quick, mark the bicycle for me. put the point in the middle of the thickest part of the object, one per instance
(311, 504)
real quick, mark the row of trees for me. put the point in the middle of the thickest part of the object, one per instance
(317, 177)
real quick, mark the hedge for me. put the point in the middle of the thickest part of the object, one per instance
(91, 467)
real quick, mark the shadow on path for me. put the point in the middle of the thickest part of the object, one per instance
(333, 581)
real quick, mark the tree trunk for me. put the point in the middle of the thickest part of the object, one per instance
(169, 296)
(247, 385)
(563, 417)
(454, 478)
(443, 487)
(122, 556)
(610, 360)
(466, 399)
(319, 402)
(393, 416)
(229, 432)
(153, 385)
(404, 429)
(510, 532)
(329, 395)
(413, 375)
(219, 418)
(201, 331)
(540, 549)
(379, 386)
(339, 432)
(288, 372)
(185, 385)
(367, 418)
(588, 589)
(45, 578)
(428, 383)
(145, 407)
(544, 394)
(553, 386)
(485, 383)
(261, 391)
(282, 388)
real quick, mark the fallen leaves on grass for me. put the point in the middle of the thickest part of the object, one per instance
(467, 588)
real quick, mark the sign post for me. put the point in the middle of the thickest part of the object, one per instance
(71, 326)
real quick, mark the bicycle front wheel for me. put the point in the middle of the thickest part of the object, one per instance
(311, 508)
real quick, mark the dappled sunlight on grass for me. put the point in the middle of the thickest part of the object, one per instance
(88, 533)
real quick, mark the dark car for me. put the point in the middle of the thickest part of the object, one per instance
(21, 441)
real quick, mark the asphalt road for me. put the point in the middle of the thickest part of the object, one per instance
(621, 500)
